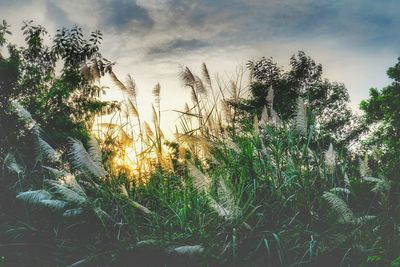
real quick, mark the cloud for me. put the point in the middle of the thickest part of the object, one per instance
(124, 14)
(177, 46)
(57, 15)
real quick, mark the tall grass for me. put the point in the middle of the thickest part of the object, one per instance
(222, 194)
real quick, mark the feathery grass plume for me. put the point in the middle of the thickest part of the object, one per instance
(44, 149)
(67, 193)
(124, 137)
(340, 207)
(188, 78)
(131, 86)
(34, 197)
(11, 163)
(346, 180)
(123, 190)
(94, 150)
(72, 183)
(206, 75)
(187, 250)
(201, 182)
(234, 90)
(381, 185)
(340, 190)
(301, 117)
(182, 152)
(330, 157)
(270, 96)
(118, 83)
(232, 145)
(24, 115)
(73, 212)
(156, 94)
(200, 86)
(264, 117)
(85, 72)
(149, 132)
(55, 173)
(275, 120)
(364, 219)
(140, 207)
(227, 111)
(82, 160)
(54, 204)
(95, 71)
(133, 109)
(256, 126)
(103, 216)
(363, 166)
(218, 208)
(227, 200)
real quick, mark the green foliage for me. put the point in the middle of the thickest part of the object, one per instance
(304, 80)
(382, 110)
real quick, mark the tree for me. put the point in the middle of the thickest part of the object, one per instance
(382, 113)
(62, 102)
(328, 101)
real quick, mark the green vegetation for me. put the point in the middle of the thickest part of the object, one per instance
(264, 180)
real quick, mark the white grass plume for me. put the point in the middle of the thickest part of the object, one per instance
(94, 150)
(187, 250)
(12, 165)
(24, 115)
(340, 207)
(67, 193)
(82, 160)
(54, 204)
(73, 212)
(227, 200)
(264, 120)
(364, 168)
(330, 157)
(34, 197)
(270, 96)
(301, 117)
(201, 182)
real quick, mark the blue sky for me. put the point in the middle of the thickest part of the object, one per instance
(355, 41)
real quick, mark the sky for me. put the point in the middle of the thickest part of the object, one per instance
(356, 41)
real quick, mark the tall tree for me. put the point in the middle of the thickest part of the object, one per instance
(328, 101)
(382, 114)
(63, 102)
